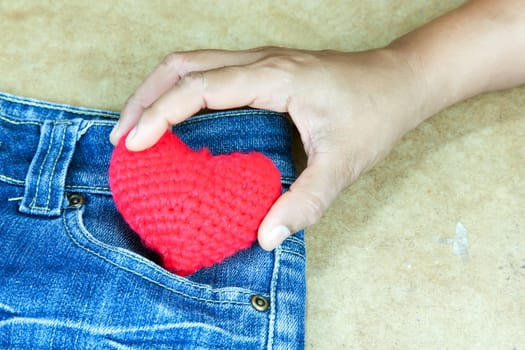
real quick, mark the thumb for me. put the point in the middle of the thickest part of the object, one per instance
(302, 206)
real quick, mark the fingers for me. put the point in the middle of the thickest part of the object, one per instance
(302, 206)
(168, 73)
(222, 88)
(156, 84)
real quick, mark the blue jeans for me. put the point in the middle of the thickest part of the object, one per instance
(74, 276)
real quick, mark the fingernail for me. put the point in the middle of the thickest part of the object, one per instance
(114, 132)
(130, 136)
(277, 236)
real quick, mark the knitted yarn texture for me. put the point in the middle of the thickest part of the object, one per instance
(193, 208)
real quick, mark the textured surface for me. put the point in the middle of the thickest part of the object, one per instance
(383, 272)
(192, 208)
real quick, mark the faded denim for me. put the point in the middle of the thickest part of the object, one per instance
(74, 276)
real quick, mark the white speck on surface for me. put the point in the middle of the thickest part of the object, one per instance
(460, 242)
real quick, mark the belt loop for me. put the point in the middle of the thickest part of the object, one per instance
(46, 178)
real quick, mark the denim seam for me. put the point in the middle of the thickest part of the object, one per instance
(59, 155)
(101, 190)
(295, 240)
(163, 272)
(223, 114)
(35, 194)
(273, 296)
(192, 120)
(95, 189)
(51, 143)
(284, 250)
(12, 181)
(57, 107)
(16, 122)
(108, 331)
(288, 180)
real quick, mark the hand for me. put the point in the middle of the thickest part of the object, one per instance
(349, 108)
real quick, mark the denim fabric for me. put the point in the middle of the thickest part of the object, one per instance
(74, 276)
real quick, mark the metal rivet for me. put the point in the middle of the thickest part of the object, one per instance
(76, 200)
(260, 303)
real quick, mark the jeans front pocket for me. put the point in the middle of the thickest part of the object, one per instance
(152, 303)
(99, 230)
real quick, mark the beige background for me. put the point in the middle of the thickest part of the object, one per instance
(382, 270)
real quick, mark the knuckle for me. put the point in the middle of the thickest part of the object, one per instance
(281, 62)
(346, 165)
(313, 208)
(171, 60)
(194, 80)
(260, 49)
(290, 59)
(152, 113)
(178, 62)
(285, 66)
(135, 99)
(267, 49)
(347, 171)
(282, 69)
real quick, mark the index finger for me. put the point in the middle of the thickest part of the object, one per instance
(168, 73)
(251, 85)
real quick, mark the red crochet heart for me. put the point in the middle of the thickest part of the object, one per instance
(194, 209)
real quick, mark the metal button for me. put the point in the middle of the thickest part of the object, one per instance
(76, 200)
(260, 303)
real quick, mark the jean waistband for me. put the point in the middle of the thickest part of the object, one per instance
(38, 138)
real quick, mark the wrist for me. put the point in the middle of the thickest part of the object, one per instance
(474, 49)
(432, 89)
(422, 98)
